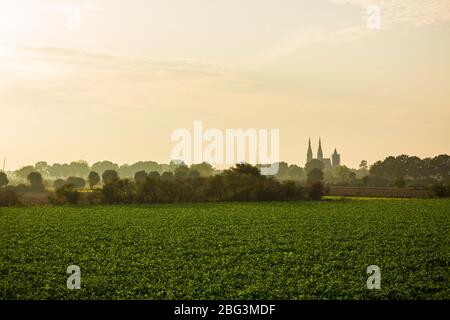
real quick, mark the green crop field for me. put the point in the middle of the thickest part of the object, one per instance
(304, 250)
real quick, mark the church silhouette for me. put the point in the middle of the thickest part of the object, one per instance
(327, 162)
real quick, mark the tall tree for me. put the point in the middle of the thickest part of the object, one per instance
(110, 176)
(314, 164)
(42, 167)
(77, 182)
(24, 172)
(79, 168)
(102, 166)
(36, 181)
(140, 176)
(314, 176)
(93, 179)
(363, 165)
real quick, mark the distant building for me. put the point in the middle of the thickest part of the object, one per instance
(309, 155)
(327, 162)
(336, 159)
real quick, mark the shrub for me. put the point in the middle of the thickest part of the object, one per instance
(154, 175)
(94, 197)
(314, 176)
(441, 191)
(110, 176)
(167, 176)
(65, 195)
(399, 182)
(59, 183)
(140, 176)
(8, 197)
(119, 191)
(77, 182)
(243, 183)
(22, 188)
(292, 191)
(316, 191)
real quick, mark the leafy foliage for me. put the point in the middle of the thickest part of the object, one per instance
(441, 191)
(297, 250)
(8, 197)
(316, 191)
(93, 179)
(240, 183)
(36, 182)
(67, 194)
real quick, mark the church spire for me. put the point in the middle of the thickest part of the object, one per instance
(309, 155)
(336, 158)
(319, 151)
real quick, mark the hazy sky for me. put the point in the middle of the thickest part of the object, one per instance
(136, 70)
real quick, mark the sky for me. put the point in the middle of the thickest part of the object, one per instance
(115, 83)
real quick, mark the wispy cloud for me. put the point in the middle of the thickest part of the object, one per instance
(105, 62)
(316, 36)
(34, 76)
(400, 15)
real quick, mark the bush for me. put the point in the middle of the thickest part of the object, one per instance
(77, 182)
(400, 183)
(59, 183)
(119, 191)
(316, 191)
(94, 197)
(314, 176)
(22, 188)
(65, 195)
(109, 176)
(441, 191)
(8, 197)
(242, 183)
(140, 176)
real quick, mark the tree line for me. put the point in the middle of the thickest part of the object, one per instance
(241, 183)
(406, 170)
(176, 182)
(82, 168)
(392, 171)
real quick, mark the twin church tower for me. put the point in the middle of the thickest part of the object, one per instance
(328, 163)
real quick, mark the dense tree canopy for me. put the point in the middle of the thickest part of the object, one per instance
(243, 182)
(36, 181)
(405, 167)
(392, 171)
(109, 176)
(76, 182)
(314, 176)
